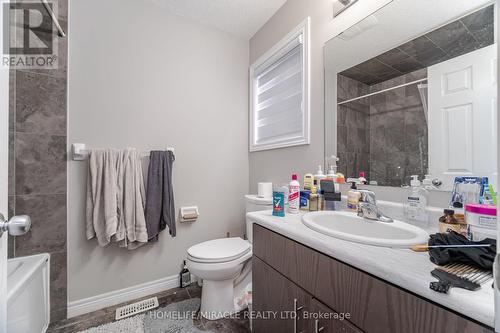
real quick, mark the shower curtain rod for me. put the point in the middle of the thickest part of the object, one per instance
(54, 18)
(381, 91)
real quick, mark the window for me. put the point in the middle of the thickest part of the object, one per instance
(279, 93)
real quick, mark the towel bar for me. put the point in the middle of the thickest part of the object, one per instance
(80, 151)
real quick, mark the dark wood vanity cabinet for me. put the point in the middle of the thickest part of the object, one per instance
(293, 284)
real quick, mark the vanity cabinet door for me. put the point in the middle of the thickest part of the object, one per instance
(325, 320)
(374, 305)
(279, 304)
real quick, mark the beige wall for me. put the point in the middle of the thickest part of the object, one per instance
(140, 77)
(277, 165)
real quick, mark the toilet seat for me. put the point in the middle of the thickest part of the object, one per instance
(219, 250)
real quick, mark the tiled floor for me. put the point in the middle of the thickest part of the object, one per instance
(107, 315)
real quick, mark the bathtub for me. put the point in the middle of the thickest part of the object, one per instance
(28, 301)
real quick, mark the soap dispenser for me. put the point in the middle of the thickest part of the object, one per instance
(353, 197)
(416, 201)
(318, 177)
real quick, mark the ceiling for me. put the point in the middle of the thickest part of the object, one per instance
(462, 36)
(241, 18)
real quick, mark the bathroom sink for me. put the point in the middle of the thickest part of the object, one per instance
(349, 226)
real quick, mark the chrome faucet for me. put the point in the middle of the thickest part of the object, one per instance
(368, 207)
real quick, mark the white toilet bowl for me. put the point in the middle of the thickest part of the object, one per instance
(225, 268)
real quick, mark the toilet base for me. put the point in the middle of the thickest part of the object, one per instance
(217, 299)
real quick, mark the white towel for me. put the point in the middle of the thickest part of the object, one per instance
(102, 195)
(116, 198)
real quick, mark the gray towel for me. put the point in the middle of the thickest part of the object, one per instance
(160, 209)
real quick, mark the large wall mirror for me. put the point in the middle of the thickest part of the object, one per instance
(411, 90)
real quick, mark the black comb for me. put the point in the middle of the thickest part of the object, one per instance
(460, 276)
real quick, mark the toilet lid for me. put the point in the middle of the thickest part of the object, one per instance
(219, 250)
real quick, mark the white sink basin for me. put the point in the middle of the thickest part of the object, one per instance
(349, 226)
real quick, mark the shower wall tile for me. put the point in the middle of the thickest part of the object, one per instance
(48, 216)
(481, 25)
(40, 104)
(40, 164)
(58, 290)
(11, 182)
(353, 121)
(398, 132)
(12, 99)
(37, 164)
(454, 39)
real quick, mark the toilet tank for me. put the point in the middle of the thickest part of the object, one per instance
(253, 204)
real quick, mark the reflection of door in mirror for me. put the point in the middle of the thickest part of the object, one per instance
(463, 117)
(420, 102)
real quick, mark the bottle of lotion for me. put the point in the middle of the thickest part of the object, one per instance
(294, 195)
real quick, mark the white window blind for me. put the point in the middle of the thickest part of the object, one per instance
(279, 110)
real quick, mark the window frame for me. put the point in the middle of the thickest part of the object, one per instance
(270, 58)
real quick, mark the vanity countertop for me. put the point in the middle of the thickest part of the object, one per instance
(404, 268)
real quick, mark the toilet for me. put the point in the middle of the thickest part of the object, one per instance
(224, 265)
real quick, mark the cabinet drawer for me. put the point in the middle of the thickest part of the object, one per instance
(324, 320)
(373, 304)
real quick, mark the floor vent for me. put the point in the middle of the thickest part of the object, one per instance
(136, 308)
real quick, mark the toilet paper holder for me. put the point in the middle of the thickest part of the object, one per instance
(189, 214)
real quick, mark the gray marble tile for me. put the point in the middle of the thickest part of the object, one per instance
(57, 316)
(359, 75)
(62, 9)
(394, 139)
(40, 104)
(48, 217)
(40, 164)
(454, 39)
(424, 51)
(356, 140)
(62, 54)
(342, 163)
(12, 99)
(416, 75)
(377, 69)
(481, 25)
(342, 115)
(11, 165)
(58, 286)
(377, 138)
(341, 138)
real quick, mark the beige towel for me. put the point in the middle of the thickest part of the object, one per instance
(131, 200)
(102, 203)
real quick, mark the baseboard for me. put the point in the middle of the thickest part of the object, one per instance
(105, 300)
